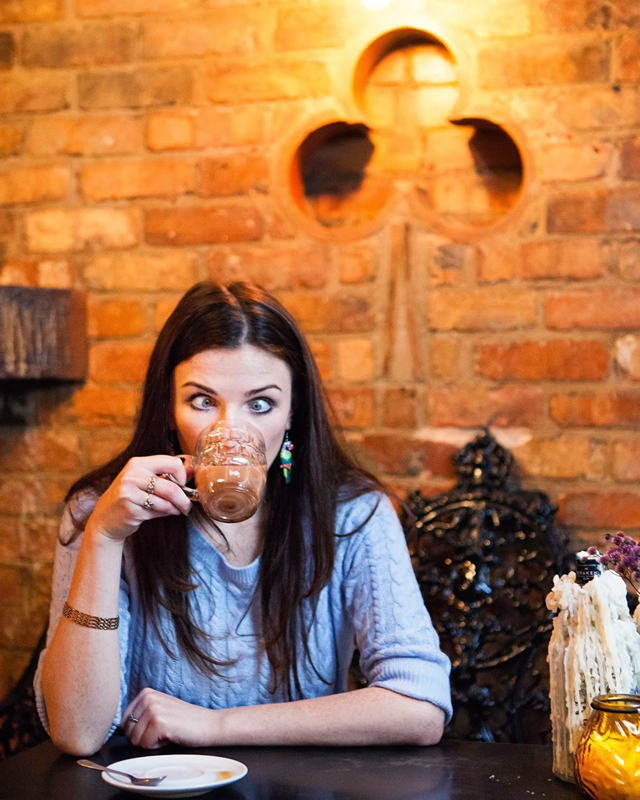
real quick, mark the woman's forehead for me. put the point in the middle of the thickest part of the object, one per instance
(245, 364)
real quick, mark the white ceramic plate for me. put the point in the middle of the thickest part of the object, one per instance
(187, 775)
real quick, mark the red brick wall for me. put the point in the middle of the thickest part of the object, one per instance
(146, 144)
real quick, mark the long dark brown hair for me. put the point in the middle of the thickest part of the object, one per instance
(293, 567)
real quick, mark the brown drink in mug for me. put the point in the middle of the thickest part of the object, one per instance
(230, 465)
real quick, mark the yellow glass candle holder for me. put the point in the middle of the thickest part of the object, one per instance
(607, 765)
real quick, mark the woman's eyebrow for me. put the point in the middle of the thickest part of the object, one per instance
(263, 389)
(199, 386)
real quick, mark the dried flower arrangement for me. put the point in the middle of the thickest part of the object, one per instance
(623, 556)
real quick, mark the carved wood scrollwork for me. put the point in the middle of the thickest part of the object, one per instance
(485, 555)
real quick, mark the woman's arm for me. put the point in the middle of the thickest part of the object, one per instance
(371, 716)
(81, 668)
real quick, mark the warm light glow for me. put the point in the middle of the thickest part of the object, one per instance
(375, 5)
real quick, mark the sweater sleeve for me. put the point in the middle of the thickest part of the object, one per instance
(64, 565)
(399, 647)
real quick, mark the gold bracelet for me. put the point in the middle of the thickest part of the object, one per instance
(102, 623)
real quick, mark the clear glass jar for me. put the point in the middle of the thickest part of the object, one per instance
(607, 765)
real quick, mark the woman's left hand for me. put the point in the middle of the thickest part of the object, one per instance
(162, 718)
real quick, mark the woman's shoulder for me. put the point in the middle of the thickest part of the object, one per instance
(371, 508)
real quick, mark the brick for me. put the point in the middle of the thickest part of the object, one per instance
(354, 408)
(64, 47)
(554, 360)
(232, 175)
(103, 445)
(310, 28)
(47, 273)
(21, 496)
(72, 230)
(356, 360)
(205, 127)
(33, 184)
(400, 408)
(562, 259)
(19, 272)
(626, 460)
(567, 15)
(231, 31)
(115, 318)
(54, 273)
(10, 140)
(498, 260)
(628, 61)
(358, 264)
(94, 405)
(395, 454)
(143, 88)
(119, 362)
(162, 311)
(109, 8)
(431, 64)
(596, 108)
(233, 81)
(573, 161)
(481, 309)
(606, 409)
(444, 357)
(9, 540)
(84, 136)
(602, 509)
(473, 406)
(627, 355)
(7, 50)
(561, 458)
(202, 225)
(595, 211)
(582, 212)
(628, 266)
(630, 159)
(141, 271)
(321, 313)
(449, 262)
(275, 268)
(116, 180)
(493, 18)
(30, 10)
(41, 93)
(39, 539)
(544, 61)
(321, 352)
(39, 450)
(593, 308)
(379, 104)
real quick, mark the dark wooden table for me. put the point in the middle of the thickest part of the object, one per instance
(450, 771)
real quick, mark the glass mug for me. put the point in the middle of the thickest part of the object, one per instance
(607, 765)
(230, 466)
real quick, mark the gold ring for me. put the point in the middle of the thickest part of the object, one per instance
(152, 484)
(148, 503)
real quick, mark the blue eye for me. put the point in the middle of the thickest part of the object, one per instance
(260, 405)
(201, 401)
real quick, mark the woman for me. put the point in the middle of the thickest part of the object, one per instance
(236, 633)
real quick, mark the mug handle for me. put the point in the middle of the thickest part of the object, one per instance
(192, 494)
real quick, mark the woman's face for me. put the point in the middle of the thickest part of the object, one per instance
(245, 383)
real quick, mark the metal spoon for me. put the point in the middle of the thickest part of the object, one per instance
(135, 781)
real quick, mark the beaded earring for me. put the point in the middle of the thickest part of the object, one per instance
(286, 459)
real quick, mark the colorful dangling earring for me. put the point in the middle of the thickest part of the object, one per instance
(286, 459)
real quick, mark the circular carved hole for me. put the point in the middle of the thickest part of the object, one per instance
(330, 177)
(472, 173)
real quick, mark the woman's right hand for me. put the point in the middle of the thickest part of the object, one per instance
(121, 509)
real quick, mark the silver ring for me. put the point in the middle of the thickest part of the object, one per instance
(133, 719)
(152, 484)
(148, 503)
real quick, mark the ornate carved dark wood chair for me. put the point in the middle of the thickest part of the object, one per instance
(485, 555)
(20, 726)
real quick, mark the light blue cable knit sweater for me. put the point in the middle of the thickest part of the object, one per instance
(372, 599)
